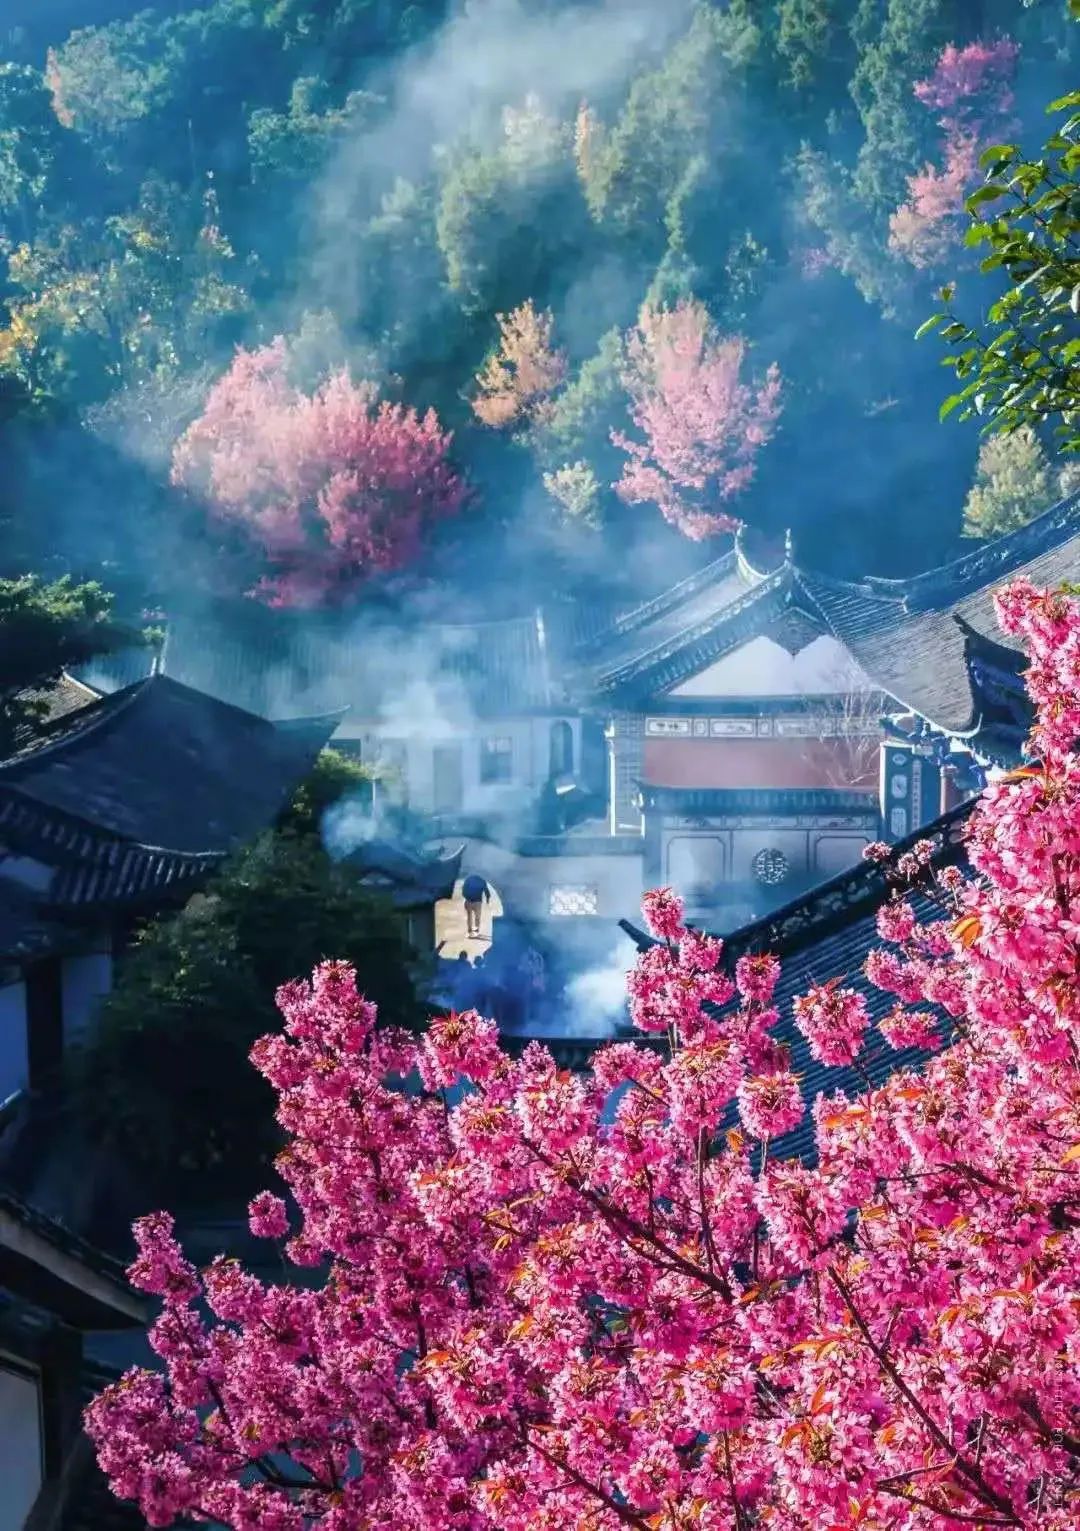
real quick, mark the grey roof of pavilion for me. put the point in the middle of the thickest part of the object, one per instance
(48, 702)
(828, 933)
(409, 880)
(160, 765)
(270, 662)
(923, 640)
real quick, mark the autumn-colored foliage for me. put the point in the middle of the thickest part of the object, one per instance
(703, 425)
(523, 372)
(600, 1301)
(326, 490)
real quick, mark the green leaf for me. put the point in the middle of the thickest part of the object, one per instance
(1073, 98)
(949, 405)
(988, 193)
(998, 154)
(931, 324)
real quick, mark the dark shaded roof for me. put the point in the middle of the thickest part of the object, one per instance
(128, 874)
(410, 880)
(828, 933)
(48, 702)
(53, 1268)
(162, 765)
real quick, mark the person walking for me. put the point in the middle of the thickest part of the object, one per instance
(476, 893)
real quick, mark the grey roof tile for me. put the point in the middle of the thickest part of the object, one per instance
(165, 766)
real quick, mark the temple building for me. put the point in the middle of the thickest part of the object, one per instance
(112, 808)
(740, 735)
(55, 1290)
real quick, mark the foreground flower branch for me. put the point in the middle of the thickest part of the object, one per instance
(599, 1301)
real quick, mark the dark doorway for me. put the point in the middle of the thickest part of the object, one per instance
(562, 749)
(45, 1021)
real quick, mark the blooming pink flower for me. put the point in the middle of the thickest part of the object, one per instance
(770, 1104)
(756, 976)
(268, 1217)
(594, 1300)
(833, 1021)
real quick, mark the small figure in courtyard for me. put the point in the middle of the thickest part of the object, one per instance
(476, 893)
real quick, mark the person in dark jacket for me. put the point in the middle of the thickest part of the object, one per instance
(476, 893)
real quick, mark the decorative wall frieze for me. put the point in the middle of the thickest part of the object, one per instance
(817, 725)
(714, 822)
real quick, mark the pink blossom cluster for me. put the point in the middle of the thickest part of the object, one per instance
(703, 425)
(324, 490)
(603, 1300)
(970, 86)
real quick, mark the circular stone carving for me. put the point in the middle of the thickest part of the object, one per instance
(770, 867)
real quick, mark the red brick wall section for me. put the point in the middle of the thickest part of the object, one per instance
(839, 764)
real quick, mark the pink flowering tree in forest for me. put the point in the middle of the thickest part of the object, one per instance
(970, 87)
(323, 490)
(603, 1301)
(703, 424)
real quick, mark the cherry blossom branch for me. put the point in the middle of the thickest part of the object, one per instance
(967, 1469)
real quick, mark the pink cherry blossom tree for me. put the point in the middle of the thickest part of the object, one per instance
(970, 87)
(604, 1301)
(703, 424)
(324, 490)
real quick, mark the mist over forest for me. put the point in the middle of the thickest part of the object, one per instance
(470, 207)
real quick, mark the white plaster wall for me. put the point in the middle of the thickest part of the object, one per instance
(85, 978)
(763, 667)
(835, 853)
(708, 857)
(14, 1064)
(530, 744)
(20, 1447)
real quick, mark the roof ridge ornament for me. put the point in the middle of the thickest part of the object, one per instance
(789, 547)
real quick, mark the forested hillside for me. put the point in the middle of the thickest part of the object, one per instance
(605, 277)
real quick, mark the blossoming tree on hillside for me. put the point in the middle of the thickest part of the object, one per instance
(970, 86)
(703, 424)
(520, 376)
(603, 1301)
(325, 490)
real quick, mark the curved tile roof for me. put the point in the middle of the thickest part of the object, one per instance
(915, 638)
(159, 764)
